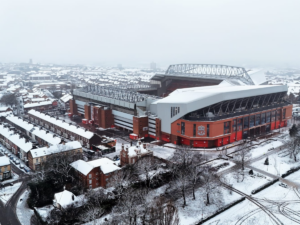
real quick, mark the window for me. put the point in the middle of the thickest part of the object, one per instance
(133, 160)
(90, 181)
(194, 130)
(226, 127)
(239, 124)
(90, 175)
(234, 126)
(283, 114)
(175, 111)
(37, 160)
(273, 116)
(246, 122)
(257, 119)
(268, 117)
(278, 114)
(252, 119)
(263, 118)
(182, 128)
(207, 130)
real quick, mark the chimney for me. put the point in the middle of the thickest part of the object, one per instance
(144, 145)
(140, 142)
(122, 147)
(126, 148)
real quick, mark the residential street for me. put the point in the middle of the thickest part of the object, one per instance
(8, 214)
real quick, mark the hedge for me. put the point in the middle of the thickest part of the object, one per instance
(290, 171)
(264, 186)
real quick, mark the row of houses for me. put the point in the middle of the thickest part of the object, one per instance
(65, 129)
(35, 133)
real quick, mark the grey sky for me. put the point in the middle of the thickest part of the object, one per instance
(135, 32)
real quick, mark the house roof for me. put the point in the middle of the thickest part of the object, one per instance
(4, 161)
(15, 138)
(106, 165)
(39, 152)
(77, 130)
(46, 136)
(65, 198)
(30, 105)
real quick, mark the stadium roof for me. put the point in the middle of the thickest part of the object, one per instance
(191, 99)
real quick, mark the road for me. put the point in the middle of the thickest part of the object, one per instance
(8, 214)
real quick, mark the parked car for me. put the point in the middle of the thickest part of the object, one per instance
(21, 166)
(283, 185)
(17, 161)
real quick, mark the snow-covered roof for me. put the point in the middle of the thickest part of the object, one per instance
(66, 98)
(133, 150)
(3, 109)
(39, 152)
(106, 165)
(66, 198)
(4, 161)
(46, 136)
(77, 130)
(30, 105)
(15, 138)
(191, 99)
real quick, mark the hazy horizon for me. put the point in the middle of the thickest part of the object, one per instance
(134, 33)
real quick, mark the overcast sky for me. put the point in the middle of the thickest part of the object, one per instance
(136, 32)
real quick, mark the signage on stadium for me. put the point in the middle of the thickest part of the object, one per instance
(201, 130)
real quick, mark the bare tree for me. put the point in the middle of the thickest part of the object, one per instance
(242, 155)
(122, 179)
(210, 183)
(129, 209)
(148, 169)
(162, 212)
(91, 213)
(293, 147)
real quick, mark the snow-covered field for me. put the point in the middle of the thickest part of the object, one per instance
(24, 213)
(249, 183)
(195, 209)
(278, 164)
(7, 192)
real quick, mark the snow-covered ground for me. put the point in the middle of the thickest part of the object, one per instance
(264, 148)
(195, 209)
(162, 152)
(219, 162)
(24, 213)
(278, 163)
(14, 178)
(7, 192)
(249, 183)
(44, 211)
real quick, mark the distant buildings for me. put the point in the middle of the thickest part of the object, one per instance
(153, 66)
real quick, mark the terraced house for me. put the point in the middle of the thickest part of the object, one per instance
(5, 168)
(64, 129)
